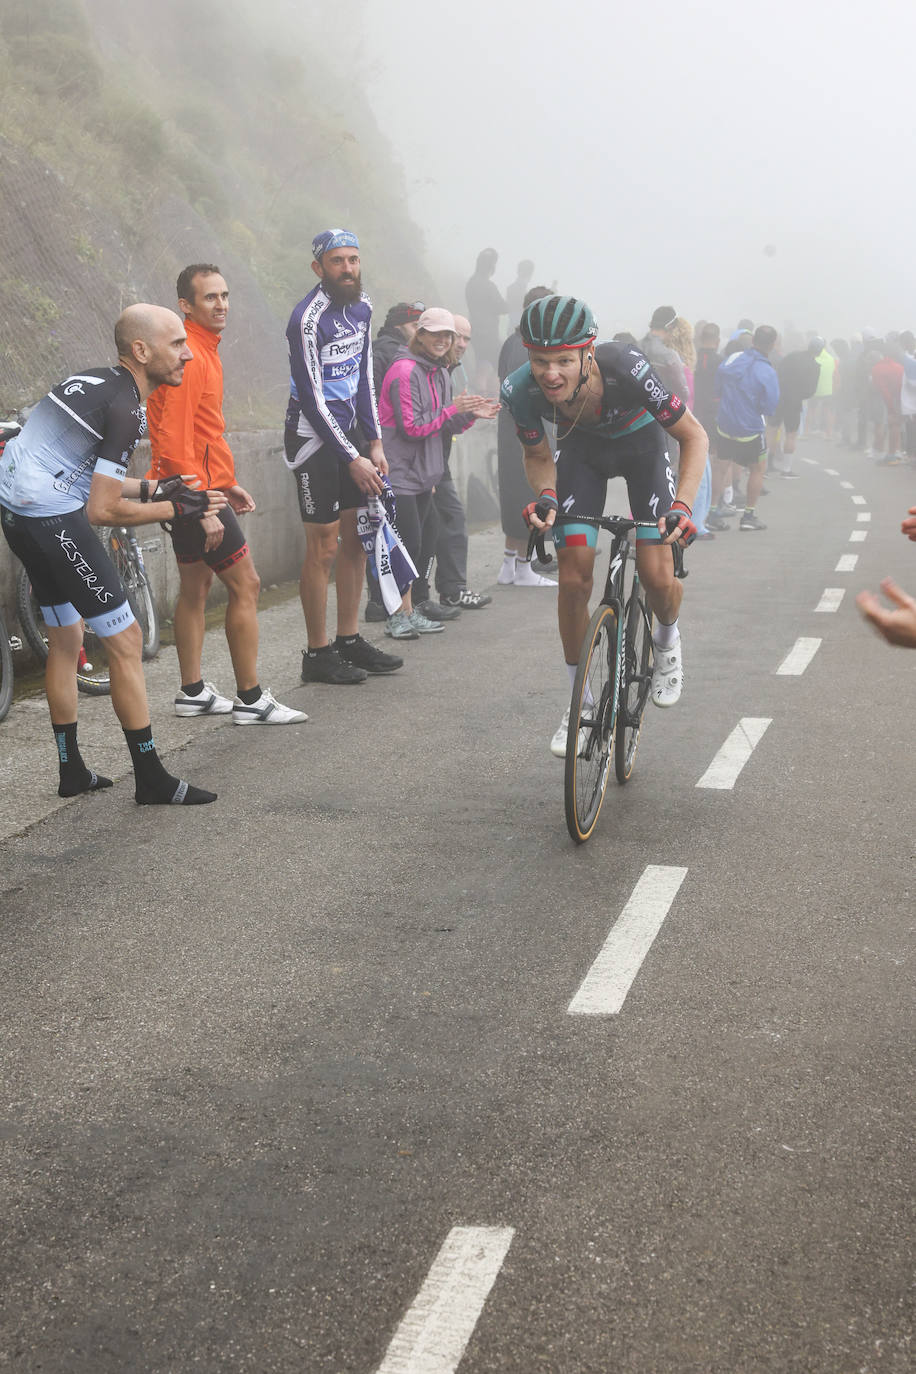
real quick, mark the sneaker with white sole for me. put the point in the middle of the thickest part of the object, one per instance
(398, 626)
(667, 675)
(423, 625)
(265, 711)
(206, 703)
(467, 601)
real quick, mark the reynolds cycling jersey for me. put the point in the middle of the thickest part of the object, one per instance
(92, 422)
(633, 397)
(330, 362)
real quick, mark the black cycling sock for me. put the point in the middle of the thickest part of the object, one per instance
(155, 786)
(323, 649)
(346, 640)
(75, 777)
(193, 689)
(249, 696)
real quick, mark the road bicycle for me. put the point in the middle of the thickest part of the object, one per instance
(126, 553)
(613, 677)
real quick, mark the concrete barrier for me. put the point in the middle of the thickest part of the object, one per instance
(274, 530)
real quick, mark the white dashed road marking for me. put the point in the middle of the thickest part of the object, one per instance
(605, 986)
(858, 536)
(812, 462)
(847, 486)
(437, 1327)
(830, 601)
(847, 563)
(831, 472)
(798, 657)
(723, 772)
(858, 500)
(864, 516)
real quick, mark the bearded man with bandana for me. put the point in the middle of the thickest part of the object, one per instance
(334, 450)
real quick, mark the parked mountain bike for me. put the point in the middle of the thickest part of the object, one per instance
(613, 678)
(126, 553)
(8, 644)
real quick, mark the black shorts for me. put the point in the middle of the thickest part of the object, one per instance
(788, 413)
(72, 576)
(744, 452)
(188, 540)
(323, 482)
(586, 463)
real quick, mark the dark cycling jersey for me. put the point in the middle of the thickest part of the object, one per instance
(89, 423)
(633, 397)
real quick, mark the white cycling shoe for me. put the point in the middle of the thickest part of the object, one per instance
(667, 675)
(558, 743)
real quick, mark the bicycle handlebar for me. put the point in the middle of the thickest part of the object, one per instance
(614, 524)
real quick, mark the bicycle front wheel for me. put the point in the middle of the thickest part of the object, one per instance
(6, 671)
(92, 675)
(591, 724)
(636, 680)
(139, 592)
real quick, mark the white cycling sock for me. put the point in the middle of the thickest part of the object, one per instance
(665, 635)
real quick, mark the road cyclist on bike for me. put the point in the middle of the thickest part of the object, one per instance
(67, 471)
(610, 409)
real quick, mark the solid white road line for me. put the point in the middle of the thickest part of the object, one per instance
(858, 536)
(435, 1331)
(605, 986)
(858, 500)
(798, 657)
(830, 601)
(847, 486)
(864, 516)
(847, 563)
(831, 472)
(723, 772)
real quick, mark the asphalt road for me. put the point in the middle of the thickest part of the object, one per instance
(279, 1071)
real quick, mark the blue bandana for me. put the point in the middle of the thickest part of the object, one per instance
(332, 238)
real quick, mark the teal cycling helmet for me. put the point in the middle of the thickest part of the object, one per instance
(558, 322)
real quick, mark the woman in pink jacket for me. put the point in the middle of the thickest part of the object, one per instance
(416, 409)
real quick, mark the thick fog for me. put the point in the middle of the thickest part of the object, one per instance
(725, 159)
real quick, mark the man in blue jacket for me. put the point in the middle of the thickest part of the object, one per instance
(749, 391)
(334, 449)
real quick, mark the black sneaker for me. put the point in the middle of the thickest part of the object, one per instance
(749, 521)
(330, 667)
(467, 601)
(375, 611)
(434, 610)
(366, 657)
(716, 522)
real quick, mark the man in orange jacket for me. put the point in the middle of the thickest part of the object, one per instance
(186, 431)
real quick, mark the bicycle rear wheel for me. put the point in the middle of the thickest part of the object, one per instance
(636, 680)
(92, 672)
(139, 592)
(6, 671)
(591, 724)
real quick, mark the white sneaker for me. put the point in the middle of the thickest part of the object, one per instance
(667, 675)
(506, 575)
(525, 576)
(206, 703)
(265, 711)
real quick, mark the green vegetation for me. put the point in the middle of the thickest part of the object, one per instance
(134, 141)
